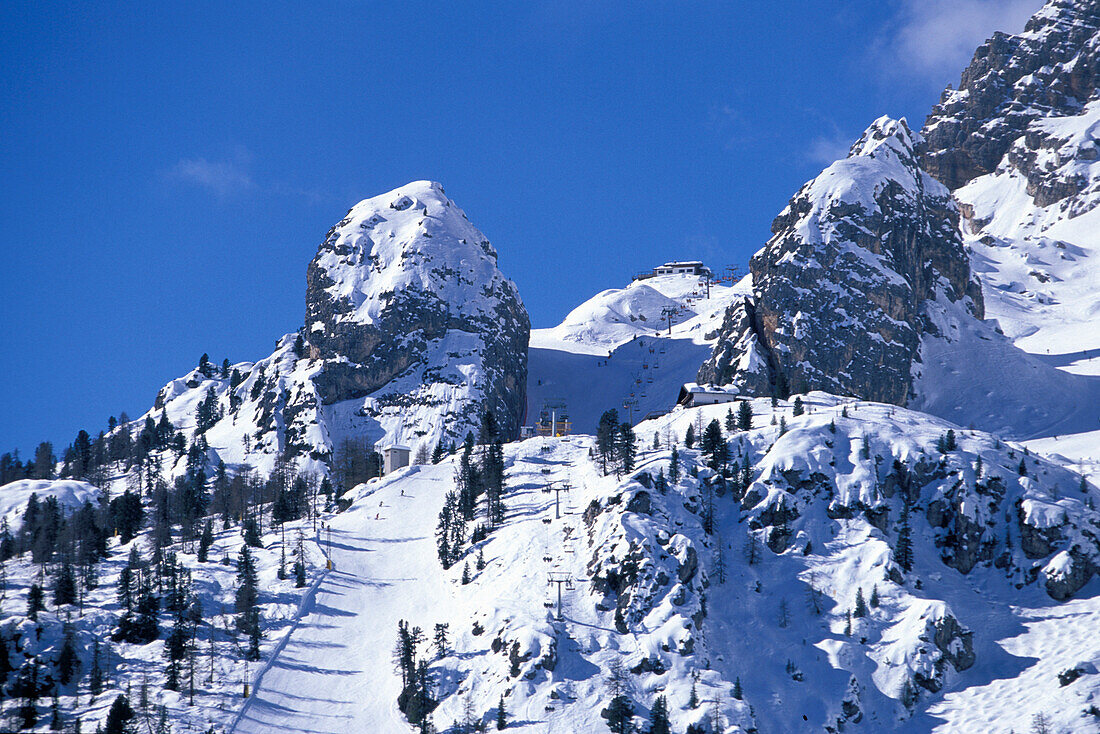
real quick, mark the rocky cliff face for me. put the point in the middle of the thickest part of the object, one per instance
(411, 332)
(1050, 69)
(840, 290)
(405, 276)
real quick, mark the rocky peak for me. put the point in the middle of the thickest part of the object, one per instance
(404, 286)
(840, 289)
(1050, 69)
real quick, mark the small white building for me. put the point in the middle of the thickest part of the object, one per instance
(688, 267)
(692, 394)
(394, 456)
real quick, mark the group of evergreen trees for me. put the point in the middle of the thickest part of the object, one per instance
(615, 444)
(480, 473)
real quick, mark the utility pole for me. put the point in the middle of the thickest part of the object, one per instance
(557, 496)
(560, 578)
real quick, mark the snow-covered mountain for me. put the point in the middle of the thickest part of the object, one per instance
(893, 528)
(411, 333)
(628, 349)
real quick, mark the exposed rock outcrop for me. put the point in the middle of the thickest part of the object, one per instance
(840, 290)
(1050, 69)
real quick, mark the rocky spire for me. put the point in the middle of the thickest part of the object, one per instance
(840, 289)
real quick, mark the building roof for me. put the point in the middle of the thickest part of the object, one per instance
(694, 388)
(394, 446)
(683, 264)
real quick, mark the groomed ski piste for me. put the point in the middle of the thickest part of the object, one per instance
(648, 592)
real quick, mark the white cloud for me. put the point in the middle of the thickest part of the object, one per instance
(824, 150)
(935, 39)
(223, 178)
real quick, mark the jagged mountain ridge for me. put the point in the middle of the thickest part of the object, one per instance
(1049, 70)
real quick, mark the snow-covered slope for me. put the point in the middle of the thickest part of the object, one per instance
(652, 591)
(69, 494)
(616, 350)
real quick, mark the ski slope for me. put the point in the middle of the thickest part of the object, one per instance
(616, 350)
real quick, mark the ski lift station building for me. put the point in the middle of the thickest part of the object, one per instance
(688, 267)
(692, 394)
(394, 456)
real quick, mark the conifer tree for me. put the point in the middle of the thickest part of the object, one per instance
(67, 660)
(205, 541)
(731, 420)
(689, 436)
(120, 717)
(625, 448)
(799, 409)
(674, 466)
(606, 433)
(620, 711)
(903, 549)
(737, 692)
(247, 592)
(874, 597)
(64, 590)
(95, 675)
(744, 416)
(658, 717)
(502, 715)
(861, 605)
(34, 602)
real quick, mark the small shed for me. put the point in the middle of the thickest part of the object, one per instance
(395, 456)
(692, 394)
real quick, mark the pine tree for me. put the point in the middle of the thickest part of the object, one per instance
(205, 541)
(95, 675)
(620, 711)
(120, 717)
(949, 441)
(606, 432)
(67, 660)
(731, 420)
(64, 590)
(693, 698)
(799, 409)
(674, 466)
(744, 416)
(903, 549)
(861, 605)
(502, 715)
(689, 436)
(255, 634)
(34, 602)
(625, 448)
(874, 597)
(658, 717)
(737, 692)
(247, 593)
(465, 573)
(440, 641)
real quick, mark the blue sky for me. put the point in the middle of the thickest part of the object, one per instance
(167, 173)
